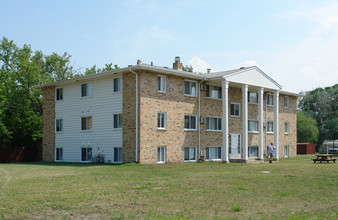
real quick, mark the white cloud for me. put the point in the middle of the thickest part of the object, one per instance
(199, 65)
(248, 63)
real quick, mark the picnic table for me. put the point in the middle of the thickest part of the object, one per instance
(324, 157)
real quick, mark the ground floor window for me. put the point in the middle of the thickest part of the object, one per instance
(59, 154)
(161, 154)
(190, 154)
(253, 151)
(286, 151)
(214, 153)
(86, 154)
(117, 155)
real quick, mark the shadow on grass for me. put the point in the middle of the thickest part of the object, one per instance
(67, 164)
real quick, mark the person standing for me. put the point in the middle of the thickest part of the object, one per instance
(271, 149)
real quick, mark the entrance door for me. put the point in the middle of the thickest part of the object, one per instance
(235, 145)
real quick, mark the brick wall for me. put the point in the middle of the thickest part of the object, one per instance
(48, 141)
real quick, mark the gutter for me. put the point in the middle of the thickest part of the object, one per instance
(199, 118)
(137, 109)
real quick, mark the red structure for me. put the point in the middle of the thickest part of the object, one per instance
(17, 154)
(306, 148)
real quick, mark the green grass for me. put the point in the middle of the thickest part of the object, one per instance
(294, 189)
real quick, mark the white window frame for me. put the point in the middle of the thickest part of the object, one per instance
(219, 157)
(161, 84)
(252, 131)
(286, 102)
(190, 90)
(119, 84)
(209, 94)
(239, 109)
(286, 127)
(60, 149)
(161, 158)
(89, 90)
(269, 127)
(120, 117)
(56, 125)
(250, 101)
(91, 152)
(119, 151)
(256, 147)
(286, 151)
(190, 129)
(189, 151)
(60, 97)
(269, 98)
(218, 123)
(159, 121)
(86, 123)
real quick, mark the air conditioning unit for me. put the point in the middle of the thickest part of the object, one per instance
(203, 86)
(264, 124)
(203, 119)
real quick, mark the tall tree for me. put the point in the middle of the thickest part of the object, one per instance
(307, 130)
(94, 69)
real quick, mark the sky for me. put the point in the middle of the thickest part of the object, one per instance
(295, 42)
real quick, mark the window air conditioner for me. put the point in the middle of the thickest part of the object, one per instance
(203, 86)
(203, 119)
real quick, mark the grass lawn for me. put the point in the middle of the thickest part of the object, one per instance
(295, 188)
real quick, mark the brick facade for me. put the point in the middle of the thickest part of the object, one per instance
(48, 108)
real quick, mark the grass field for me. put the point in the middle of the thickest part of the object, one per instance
(295, 188)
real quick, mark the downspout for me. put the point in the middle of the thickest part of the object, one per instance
(136, 142)
(266, 125)
(199, 118)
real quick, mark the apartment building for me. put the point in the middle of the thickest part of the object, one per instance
(149, 114)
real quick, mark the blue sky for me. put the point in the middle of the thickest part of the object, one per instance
(294, 42)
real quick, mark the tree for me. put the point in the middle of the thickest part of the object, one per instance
(307, 130)
(94, 70)
(187, 68)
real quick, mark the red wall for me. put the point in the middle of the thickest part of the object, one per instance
(306, 148)
(17, 154)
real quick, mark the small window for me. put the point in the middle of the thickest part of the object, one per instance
(286, 102)
(59, 125)
(234, 109)
(214, 124)
(117, 155)
(86, 123)
(253, 126)
(86, 154)
(161, 120)
(214, 153)
(286, 125)
(86, 89)
(252, 97)
(117, 84)
(161, 155)
(161, 84)
(286, 151)
(270, 127)
(117, 121)
(269, 99)
(190, 154)
(253, 151)
(190, 122)
(59, 94)
(59, 154)
(214, 92)
(190, 88)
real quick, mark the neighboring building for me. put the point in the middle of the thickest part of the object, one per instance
(177, 116)
(306, 148)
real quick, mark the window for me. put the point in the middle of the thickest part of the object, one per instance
(86, 154)
(86, 89)
(161, 155)
(117, 155)
(59, 154)
(270, 126)
(161, 84)
(286, 127)
(190, 154)
(86, 123)
(269, 99)
(234, 111)
(190, 88)
(252, 125)
(252, 97)
(286, 102)
(117, 84)
(59, 125)
(161, 120)
(214, 153)
(214, 92)
(253, 151)
(286, 151)
(190, 122)
(214, 124)
(59, 94)
(117, 121)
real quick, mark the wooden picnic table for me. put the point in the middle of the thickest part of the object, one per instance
(324, 157)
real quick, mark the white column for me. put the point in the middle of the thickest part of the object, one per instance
(245, 121)
(276, 123)
(225, 121)
(260, 124)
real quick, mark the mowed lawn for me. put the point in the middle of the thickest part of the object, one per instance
(294, 188)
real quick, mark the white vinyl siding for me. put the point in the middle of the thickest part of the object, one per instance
(270, 127)
(269, 99)
(235, 109)
(214, 124)
(161, 120)
(161, 154)
(286, 102)
(190, 88)
(59, 94)
(59, 154)
(117, 85)
(117, 155)
(213, 153)
(58, 125)
(117, 121)
(253, 126)
(161, 84)
(190, 154)
(190, 122)
(86, 89)
(252, 97)
(214, 92)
